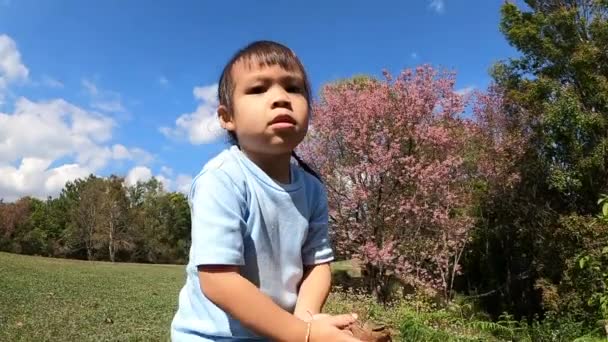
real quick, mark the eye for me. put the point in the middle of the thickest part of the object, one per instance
(294, 89)
(258, 89)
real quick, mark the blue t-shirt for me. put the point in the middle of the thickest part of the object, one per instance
(241, 216)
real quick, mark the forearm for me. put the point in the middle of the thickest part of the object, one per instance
(245, 302)
(313, 292)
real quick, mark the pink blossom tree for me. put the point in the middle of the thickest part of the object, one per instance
(395, 155)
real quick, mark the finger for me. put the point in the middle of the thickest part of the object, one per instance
(341, 321)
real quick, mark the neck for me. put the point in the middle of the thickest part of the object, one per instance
(275, 166)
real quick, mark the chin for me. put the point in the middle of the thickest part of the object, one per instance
(288, 142)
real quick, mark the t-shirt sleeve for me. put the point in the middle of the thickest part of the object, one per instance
(218, 223)
(317, 248)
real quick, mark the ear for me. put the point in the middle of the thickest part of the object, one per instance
(226, 120)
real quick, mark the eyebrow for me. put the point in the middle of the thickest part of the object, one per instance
(291, 78)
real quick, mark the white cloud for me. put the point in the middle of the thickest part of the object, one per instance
(163, 81)
(11, 67)
(183, 183)
(114, 106)
(43, 144)
(138, 174)
(58, 176)
(12, 70)
(90, 87)
(201, 126)
(141, 156)
(50, 82)
(120, 152)
(465, 91)
(34, 178)
(50, 130)
(414, 55)
(437, 5)
(37, 134)
(141, 173)
(103, 100)
(167, 182)
(206, 94)
(166, 171)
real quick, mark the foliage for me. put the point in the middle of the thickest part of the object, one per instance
(401, 166)
(100, 219)
(593, 264)
(561, 86)
(416, 318)
(556, 94)
(390, 155)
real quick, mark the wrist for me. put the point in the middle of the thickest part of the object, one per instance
(316, 328)
(306, 316)
(308, 331)
(296, 332)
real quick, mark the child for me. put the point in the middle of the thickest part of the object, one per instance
(259, 262)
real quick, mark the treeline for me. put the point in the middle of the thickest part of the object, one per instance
(100, 219)
(531, 249)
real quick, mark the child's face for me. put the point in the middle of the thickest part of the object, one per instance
(270, 111)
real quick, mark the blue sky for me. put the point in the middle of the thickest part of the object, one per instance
(127, 87)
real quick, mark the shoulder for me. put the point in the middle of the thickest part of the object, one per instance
(222, 172)
(315, 188)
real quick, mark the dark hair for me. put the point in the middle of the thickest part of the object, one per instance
(265, 53)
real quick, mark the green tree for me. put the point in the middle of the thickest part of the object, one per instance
(113, 230)
(557, 94)
(39, 235)
(161, 223)
(561, 85)
(14, 224)
(86, 214)
(179, 226)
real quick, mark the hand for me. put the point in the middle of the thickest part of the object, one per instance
(308, 317)
(328, 328)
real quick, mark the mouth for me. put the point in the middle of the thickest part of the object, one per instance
(283, 119)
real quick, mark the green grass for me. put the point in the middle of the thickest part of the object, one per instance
(346, 266)
(44, 299)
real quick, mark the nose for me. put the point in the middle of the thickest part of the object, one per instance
(280, 98)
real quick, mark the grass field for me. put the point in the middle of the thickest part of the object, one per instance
(45, 299)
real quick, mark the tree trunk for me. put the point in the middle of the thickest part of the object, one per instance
(111, 249)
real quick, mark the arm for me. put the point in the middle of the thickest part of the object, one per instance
(316, 256)
(313, 290)
(225, 287)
